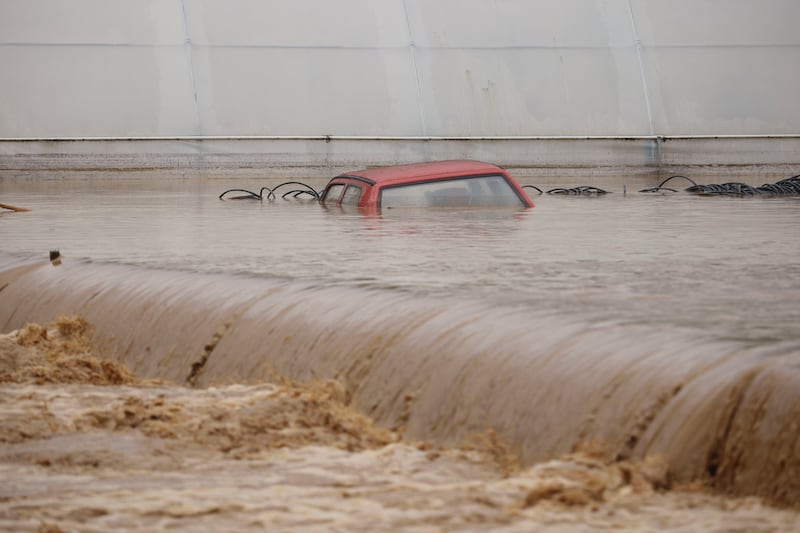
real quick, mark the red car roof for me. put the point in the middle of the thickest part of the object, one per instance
(421, 171)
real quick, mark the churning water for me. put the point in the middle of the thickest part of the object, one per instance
(664, 325)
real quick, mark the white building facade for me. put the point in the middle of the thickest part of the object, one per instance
(324, 83)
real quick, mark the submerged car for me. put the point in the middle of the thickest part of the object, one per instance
(438, 184)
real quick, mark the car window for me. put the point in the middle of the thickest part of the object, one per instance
(332, 193)
(351, 195)
(483, 191)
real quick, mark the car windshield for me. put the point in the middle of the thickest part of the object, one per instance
(474, 191)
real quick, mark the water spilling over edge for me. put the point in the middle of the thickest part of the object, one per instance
(445, 369)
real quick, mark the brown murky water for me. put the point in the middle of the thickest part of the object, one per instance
(728, 266)
(86, 445)
(634, 360)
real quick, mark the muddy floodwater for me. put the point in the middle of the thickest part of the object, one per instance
(624, 362)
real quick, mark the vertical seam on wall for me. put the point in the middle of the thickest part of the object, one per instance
(187, 46)
(638, 43)
(412, 50)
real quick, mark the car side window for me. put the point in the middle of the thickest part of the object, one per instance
(352, 194)
(332, 194)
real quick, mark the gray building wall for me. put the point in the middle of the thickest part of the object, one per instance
(397, 68)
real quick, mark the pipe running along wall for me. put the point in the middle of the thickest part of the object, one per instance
(445, 369)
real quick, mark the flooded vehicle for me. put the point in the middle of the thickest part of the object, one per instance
(437, 184)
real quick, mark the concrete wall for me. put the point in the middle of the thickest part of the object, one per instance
(398, 67)
(296, 71)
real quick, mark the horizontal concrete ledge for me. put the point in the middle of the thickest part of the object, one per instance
(749, 158)
(398, 138)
